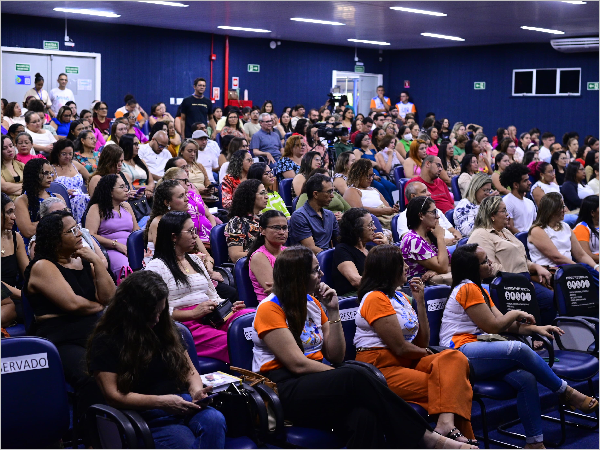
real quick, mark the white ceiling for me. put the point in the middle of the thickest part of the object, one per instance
(479, 23)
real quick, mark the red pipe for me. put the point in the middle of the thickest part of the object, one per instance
(226, 84)
(212, 41)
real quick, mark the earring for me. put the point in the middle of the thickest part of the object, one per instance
(169, 207)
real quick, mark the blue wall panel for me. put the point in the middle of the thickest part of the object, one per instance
(156, 64)
(441, 80)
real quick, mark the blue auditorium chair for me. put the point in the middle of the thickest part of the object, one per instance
(60, 189)
(285, 190)
(455, 188)
(450, 216)
(394, 227)
(403, 203)
(522, 236)
(462, 241)
(202, 364)
(398, 175)
(135, 249)
(220, 253)
(325, 259)
(243, 283)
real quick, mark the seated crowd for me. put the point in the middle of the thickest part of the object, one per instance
(181, 187)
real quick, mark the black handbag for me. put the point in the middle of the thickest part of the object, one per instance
(221, 313)
(140, 207)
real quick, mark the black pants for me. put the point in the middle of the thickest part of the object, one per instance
(352, 402)
(225, 291)
(69, 334)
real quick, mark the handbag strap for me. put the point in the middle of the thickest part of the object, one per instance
(253, 378)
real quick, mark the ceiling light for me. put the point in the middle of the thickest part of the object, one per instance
(322, 22)
(89, 12)
(576, 3)
(418, 11)
(255, 30)
(442, 36)
(544, 30)
(369, 42)
(181, 5)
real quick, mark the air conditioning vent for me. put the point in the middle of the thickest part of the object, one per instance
(575, 45)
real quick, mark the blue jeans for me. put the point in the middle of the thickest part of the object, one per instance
(522, 368)
(385, 187)
(205, 429)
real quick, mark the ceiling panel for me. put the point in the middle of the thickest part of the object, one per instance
(479, 23)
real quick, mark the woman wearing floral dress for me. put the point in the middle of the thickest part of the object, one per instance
(85, 152)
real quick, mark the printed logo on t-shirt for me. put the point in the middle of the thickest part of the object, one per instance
(311, 338)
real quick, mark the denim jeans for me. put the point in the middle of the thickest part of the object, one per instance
(385, 187)
(522, 368)
(205, 429)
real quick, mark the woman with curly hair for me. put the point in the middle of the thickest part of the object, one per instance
(137, 358)
(110, 162)
(37, 176)
(249, 200)
(111, 220)
(236, 173)
(71, 174)
(67, 287)
(192, 294)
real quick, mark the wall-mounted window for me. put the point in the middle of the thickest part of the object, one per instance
(546, 82)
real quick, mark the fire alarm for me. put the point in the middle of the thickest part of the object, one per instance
(213, 57)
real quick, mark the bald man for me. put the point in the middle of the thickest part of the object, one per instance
(155, 154)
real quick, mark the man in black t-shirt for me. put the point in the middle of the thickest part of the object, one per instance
(195, 108)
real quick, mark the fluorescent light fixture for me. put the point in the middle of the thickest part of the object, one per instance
(369, 42)
(543, 30)
(181, 5)
(255, 30)
(89, 12)
(576, 3)
(442, 36)
(322, 22)
(418, 11)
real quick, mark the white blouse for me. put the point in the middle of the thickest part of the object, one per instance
(200, 289)
(561, 240)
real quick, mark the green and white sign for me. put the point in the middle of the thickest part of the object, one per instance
(479, 85)
(71, 69)
(359, 69)
(253, 68)
(50, 45)
(591, 86)
(23, 68)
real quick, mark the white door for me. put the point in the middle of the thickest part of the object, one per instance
(367, 89)
(83, 70)
(362, 87)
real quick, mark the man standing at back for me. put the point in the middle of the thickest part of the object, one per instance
(404, 106)
(265, 141)
(195, 108)
(430, 177)
(381, 103)
(60, 95)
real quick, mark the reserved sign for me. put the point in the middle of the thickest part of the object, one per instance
(24, 363)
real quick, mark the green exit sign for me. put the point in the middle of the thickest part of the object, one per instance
(359, 69)
(253, 68)
(50, 45)
(479, 85)
(593, 86)
(23, 67)
(71, 69)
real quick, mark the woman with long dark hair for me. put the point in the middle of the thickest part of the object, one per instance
(501, 162)
(243, 227)
(261, 171)
(110, 163)
(75, 128)
(137, 358)
(236, 173)
(559, 161)
(14, 256)
(85, 152)
(62, 121)
(191, 292)
(469, 166)
(12, 170)
(273, 229)
(233, 126)
(449, 162)
(37, 176)
(134, 166)
(110, 219)
(574, 189)
(294, 335)
(67, 287)
(391, 335)
(310, 161)
(545, 176)
(586, 228)
(101, 119)
(470, 311)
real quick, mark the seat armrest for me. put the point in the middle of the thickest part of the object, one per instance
(370, 367)
(140, 426)
(124, 426)
(583, 321)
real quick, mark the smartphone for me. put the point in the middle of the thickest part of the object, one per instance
(206, 400)
(140, 191)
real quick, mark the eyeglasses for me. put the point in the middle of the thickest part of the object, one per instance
(66, 154)
(74, 230)
(263, 193)
(161, 147)
(185, 180)
(248, 160)
(267, 121)
(502, 211)
(269, 173)
(193, 231)
(46, 173)
(328, 192)
(278, 227)
(371, 225)
(136, 144)
(371, 176)
(123, 187)
(316, 270)
(245, 146)
(434, 212)
(485, 261)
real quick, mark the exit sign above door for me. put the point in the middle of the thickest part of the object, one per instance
(479, 85)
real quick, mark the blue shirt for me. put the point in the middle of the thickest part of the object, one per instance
(305, 222)
(267, 142)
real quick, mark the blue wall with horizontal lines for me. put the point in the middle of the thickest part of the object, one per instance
(156, 64)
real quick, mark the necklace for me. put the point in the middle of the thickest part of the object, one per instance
(183, 266)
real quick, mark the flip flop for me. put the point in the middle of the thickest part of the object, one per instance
(455, 433)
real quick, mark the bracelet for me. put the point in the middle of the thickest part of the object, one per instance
(596, 267)
(335, 321)
(114, 243)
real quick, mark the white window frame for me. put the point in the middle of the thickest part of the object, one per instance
(557, 93)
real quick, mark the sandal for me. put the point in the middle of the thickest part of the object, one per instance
(455, 433)
(587, 405)
(442, 442)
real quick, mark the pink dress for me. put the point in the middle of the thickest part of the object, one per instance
(197, 208)
(433, 150)
(258, 289)
(100, 141)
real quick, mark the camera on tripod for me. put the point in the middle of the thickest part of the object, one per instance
(330, 131)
